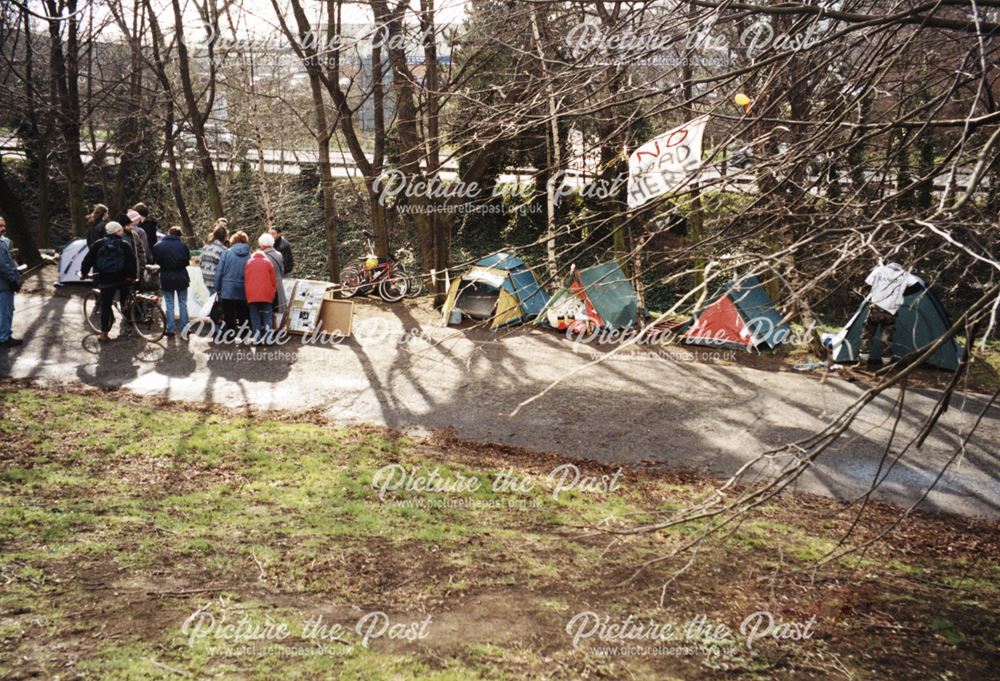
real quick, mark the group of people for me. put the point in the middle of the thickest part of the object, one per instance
(248, 287)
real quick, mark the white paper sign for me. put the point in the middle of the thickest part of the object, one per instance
(664, 163)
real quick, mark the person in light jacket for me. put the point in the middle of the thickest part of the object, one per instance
(135, 236)
(230, 282)
(212, 253)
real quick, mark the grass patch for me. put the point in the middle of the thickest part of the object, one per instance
(121, 520)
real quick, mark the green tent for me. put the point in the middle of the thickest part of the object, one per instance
(919, 323)
(602, 294)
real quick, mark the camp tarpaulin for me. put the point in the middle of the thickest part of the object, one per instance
(920, 322)
(499, 288)
(741, 315)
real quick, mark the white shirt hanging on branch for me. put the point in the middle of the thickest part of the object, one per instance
(888, 283)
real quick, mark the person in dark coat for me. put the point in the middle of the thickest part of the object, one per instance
(173, 257)
(282, 246)
(114, 262)
(148, 223)
(96, 221)
(230, 283)
(10, 283)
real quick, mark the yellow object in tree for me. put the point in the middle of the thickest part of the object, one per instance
(741, 99)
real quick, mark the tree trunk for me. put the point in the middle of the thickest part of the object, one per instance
(175, 180)
(176, 188)
(65, 73)
(17, 224)
(407, 127)
(195, 116)
(380, 222)
(36, 146)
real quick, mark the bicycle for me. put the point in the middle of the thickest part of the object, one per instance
(142, 310)
(415, 286)
(385, 275)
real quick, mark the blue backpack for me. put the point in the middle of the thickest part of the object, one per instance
(110, 256)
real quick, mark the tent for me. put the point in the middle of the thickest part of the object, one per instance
(600, 295)
(71, 262)
(741, 315)
(499, 288)
(919, 323)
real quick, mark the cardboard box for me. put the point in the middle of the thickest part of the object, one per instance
(336, 316)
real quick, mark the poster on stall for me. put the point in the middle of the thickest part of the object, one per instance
(281, 320)
(304, 305)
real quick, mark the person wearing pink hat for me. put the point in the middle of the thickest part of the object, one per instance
(135, 236)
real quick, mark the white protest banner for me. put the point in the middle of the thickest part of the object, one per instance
(663, 163)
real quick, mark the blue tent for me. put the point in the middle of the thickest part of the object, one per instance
(499, 288)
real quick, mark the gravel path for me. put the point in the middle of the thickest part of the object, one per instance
(403, 371)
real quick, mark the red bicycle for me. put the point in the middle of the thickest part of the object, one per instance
(385, 275)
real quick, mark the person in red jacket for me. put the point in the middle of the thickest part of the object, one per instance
(261, 287)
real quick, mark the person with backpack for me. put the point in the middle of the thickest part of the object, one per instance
(216, 245)
(96, 221)
(114, 262)
(261, 288)
(230, 283)
(173, 257)
(148, 223)
(10, 283)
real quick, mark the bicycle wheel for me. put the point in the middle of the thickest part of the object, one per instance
(147, 318)
(414, 284)
(350, 282)
(92, 310)
(356, 264)
(392, 289)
